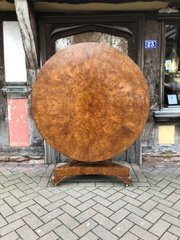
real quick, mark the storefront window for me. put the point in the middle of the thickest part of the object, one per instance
(172, 66)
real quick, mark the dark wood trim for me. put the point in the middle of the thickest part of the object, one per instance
(8, 16)
(170, 17)
(3, 106)
(166, 114)
(88, 1)
(49, 23)
(2, 75)
(162, 57)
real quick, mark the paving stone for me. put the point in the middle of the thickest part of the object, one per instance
(149, 205)
(64, 233)
(101, 209)
(70, 222)
(129, 193)
(144, 197)
(84, 206)
(171, 220)
(162, 201)
(54, 205)
(46, 228)
(3, 179)
(51, 215)
(101, 193)
(26, 179)
(33, 221)
(157, 193)
(135, 210)
(176, 206)
(70, 210)
(27, 233)
(73, 201)
(37, 210)
(18, 215)
(28, 196)
(3, 222)
(169, 236)
(45, 193)
(117, 205)
(121, 228)
(104, 221)
(11, 182)
(162, 184)
(132, 201)
(4, 194)
(168, 190)
(73, 193)
(89, 236)
(168, 210)
(2, 202)
(12, 201)
(85, 227)
(154, 215)
(6, 210)
(119, 215)
(57, 196)
(139, 221)
(11, 236)
(11, 227)
(115, 197)
(156, 206)
(104, 233)
(86, 215)
(22, 186)
(17, 193)
(159, 228)
(143, 234)
(49, 236)
(174, 230)
(129, 236)
(173, 198)
(102, 201)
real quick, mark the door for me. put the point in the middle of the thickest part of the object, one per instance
(121, 32)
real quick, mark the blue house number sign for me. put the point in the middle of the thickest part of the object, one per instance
(150, 43)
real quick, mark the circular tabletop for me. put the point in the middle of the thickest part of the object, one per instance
(90, 102)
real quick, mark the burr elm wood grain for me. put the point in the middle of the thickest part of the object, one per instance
(108, 168)
(90, 102)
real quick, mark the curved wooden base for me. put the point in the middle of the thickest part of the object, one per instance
(107, 168)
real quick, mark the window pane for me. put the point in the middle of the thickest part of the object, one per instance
(114, 41)
(172, 66)
(14, 56)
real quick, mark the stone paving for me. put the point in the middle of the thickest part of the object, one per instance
(89, 208)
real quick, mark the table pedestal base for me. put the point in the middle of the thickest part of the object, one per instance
(108, 168)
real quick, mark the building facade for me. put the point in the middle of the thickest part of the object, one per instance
(32, 31)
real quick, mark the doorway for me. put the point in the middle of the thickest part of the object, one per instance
(123, 32)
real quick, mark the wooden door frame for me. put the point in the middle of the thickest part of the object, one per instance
(134, 22)
(48, 23)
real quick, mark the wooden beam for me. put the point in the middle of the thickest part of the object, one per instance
(28, 32)
(93, 1)
(27, 26)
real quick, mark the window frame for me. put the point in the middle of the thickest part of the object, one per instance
(165, 114)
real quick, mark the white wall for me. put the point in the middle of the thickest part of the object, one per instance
(14, 56)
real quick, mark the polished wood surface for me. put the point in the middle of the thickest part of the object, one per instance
(90, 102)
(108, 168)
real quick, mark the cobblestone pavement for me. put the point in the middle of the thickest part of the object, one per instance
(89, 208)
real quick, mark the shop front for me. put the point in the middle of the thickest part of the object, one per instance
(148, 31)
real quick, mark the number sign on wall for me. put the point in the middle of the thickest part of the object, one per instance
(150, 43)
